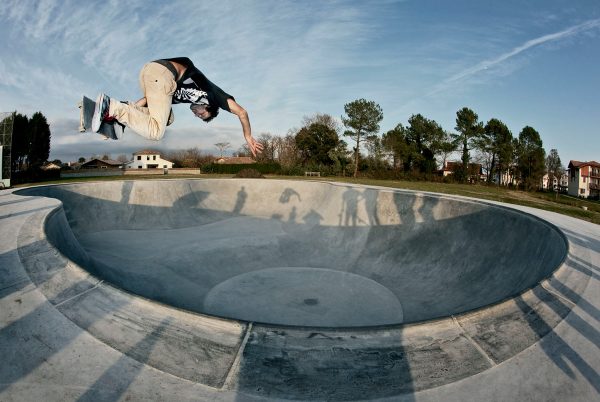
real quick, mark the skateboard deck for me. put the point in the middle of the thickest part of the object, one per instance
(110, 130)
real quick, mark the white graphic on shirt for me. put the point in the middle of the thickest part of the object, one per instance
(191, 95)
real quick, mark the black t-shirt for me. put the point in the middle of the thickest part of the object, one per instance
(194, 87)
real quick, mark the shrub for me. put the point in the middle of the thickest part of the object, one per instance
(264, 168)
(34, 175)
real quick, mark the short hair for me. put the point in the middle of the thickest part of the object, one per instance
(214, 112)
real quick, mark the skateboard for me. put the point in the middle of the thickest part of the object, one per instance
(112, 130)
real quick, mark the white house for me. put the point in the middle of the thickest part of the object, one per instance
(148, 159)
(560, 184)
(584, 179)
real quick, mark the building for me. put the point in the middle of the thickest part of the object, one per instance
(101, 164)
(474, 172)
(51, 166)
(558, 184)
(148, 159)
(584, 179)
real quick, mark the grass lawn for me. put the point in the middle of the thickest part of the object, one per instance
(562, 204)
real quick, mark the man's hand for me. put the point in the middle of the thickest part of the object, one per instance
(255, 146)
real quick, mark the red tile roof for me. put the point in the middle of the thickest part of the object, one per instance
(578, 164)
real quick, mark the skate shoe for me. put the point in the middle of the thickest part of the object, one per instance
(101, 112)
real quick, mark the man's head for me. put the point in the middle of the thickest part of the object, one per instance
(205, 112)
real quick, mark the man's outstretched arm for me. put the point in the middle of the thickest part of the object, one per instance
(255, 146)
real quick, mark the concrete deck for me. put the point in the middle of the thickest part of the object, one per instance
(326, 291)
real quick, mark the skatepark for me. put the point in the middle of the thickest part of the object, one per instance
(275, 289)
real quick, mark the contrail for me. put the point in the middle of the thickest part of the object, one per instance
(574, 30)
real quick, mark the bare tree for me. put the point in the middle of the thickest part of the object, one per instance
(555, 169)
(222, 146)
(189, 158)
(286, 150)
(324, 119)
(268, 143)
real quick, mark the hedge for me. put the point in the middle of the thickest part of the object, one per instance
(264, 168)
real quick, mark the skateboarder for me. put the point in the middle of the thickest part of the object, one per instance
(165, 82)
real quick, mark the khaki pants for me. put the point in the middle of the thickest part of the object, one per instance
(158, 86)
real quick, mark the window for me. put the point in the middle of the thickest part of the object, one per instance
(584, 179)
(154, 157)
(165, 166)
(582, 191)
(139, 166)
(148, 157)
(139, 157)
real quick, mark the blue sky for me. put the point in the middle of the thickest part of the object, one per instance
(533, 63)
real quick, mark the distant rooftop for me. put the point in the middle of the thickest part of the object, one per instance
(147, 152)
(578, 164)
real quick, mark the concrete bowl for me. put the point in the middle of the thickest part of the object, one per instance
(301, 253)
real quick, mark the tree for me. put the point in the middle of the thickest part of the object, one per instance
(505, 151)
(363, 118)
(492, 141)
(243, 151)
(31, 141)
(469, 128)
(121, 158)
(268, 152)
(315, 142)
(81, 159)
(324, 119)
(339, 156)
(222, 146)
(447, 146)
(286, 151)
(396, 144)
(189, 158)
(426, 137)
(376, 157)
(39, 140)
(20, 142)
(105, 157)
(530, 158)
(555, 169)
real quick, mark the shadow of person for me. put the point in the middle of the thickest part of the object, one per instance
(240, 201)
(293, 214)
(287, 195)
(126, 189)
(349, 212)
(370, 197)
(313, 218)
